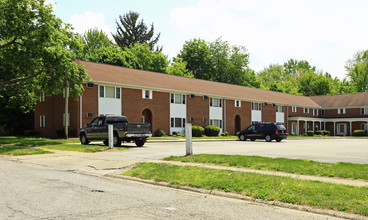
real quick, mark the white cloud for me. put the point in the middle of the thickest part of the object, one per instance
(325, 33)
(88, 20)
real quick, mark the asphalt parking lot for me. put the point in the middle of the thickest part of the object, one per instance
(348, 150)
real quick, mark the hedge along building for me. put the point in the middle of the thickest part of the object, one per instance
(168, 101)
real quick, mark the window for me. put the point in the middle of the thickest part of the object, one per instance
(147, 94)
(205, 119)
(365, 111)
(216, 122)
(118, 93)
(205, 97)
(364, 126)
(341, 111)
(177, 98)
(102, 91)
(90, 85)
(315, 112)
(280, 109)
(177, 122)
(257, 106)
(42, 121)
(293, 109)
(42, 97)
(192, 119)
(322, 112)
(306, 111)
(237, 103)
(214, 102)
(109, 92)
(64, 119)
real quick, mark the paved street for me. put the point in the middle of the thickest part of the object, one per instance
(323, 150)
(31, 191)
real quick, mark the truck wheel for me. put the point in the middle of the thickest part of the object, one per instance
(117, 140)
(83, 139)
(242, 137)
(106, 142)
(252, 139)
(278, 139)
(139, 143)
(268, 138)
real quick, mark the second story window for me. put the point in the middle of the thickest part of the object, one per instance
(214, 102)
(341, 111)
(110, 92)
(293, 109)
(322, 112)
(177, 98)
(306, 110)
(147, 94)
(364, 111)
(280, 109)
(237, 103)
(257, 106)
(315, 112)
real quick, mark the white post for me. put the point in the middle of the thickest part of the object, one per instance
(188, 139)
(297, 127)
(334, 128)
(111, 135)
(351, 129)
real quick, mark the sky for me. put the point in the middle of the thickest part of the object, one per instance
(326, 33)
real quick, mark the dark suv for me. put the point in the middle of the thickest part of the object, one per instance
(268, 131)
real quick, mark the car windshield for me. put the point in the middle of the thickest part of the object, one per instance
(252, 128)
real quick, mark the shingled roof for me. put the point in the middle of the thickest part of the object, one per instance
(343, 100)
(105, 73)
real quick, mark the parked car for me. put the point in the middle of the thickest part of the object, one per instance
(122, 131)
(266, 130)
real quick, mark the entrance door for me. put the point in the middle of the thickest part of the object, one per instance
(341, 129)
(237, 124)
(293, 128)
(147, 116)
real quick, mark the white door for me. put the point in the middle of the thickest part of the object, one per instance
(341, 129)
(293, 128)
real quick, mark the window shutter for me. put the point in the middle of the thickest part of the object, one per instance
(172, 122)
(102, 91)
(210, 101)
(220, 100)
(172, 97)
(183, 99)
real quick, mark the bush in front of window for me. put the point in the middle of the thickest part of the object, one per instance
(225, 134)
(175, 133)
(359, 133)
(197, 131)
(310, 133)
(211, 130)
(159, 132)
(325, 133)
(318, 132)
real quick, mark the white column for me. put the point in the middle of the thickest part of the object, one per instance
(297, 127)
(313, 126)
(306, 126)
(351, 129)
(334, 133)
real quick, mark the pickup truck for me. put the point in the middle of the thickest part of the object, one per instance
(122, 130)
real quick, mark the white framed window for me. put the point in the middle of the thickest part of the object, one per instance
(90, 115)
(256, 106)
(322, 112)
(110, 92)
(90, 85)
(306, 111)
(364, 126)
(237, 103)
(341, 111)
(364, 111)
(177, 122)
(64, 119)
(147, 94)
(315, 112)
(280, 109)
(214, 102)
(42, 121)
(293, 109)
(177, 98)
(216, 122)
(42, 97)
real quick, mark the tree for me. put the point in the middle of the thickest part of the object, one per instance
(357, 69)
(131, 31)
(36, 54)
(93, 39)
(312, 84)
(179, 68)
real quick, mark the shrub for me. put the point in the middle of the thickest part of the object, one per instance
(61, 132)
(159, 132)
(224, 134)
(197, 131)
(175, 133)
(211, 130)
(310, 133)
(318, 132)
(31, 133)
(325, 133)
(359, 133)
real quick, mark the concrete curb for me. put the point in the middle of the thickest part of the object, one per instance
(242, 197)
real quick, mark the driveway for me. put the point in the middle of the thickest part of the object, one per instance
(324, 150)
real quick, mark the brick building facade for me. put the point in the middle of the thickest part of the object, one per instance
(168, 102)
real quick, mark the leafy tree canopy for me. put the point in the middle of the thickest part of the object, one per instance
(130, 31)
(357, 69)
(94, 39)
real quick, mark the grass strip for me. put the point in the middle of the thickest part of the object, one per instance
(21, 151)
(306, 167)
(55, 144)
(273, 188)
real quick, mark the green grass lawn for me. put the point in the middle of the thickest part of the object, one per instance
(21, 151)
(27, 144)
(274, 188)
(309, 167)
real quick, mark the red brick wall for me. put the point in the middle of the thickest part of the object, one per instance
(159, 105)
(268, 113)
(89, 104)
(231, 111)
(198, 108)
(349, 112)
